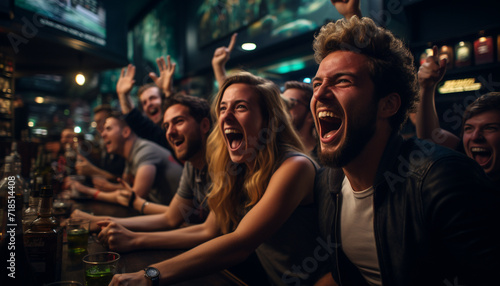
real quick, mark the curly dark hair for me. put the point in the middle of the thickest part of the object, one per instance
(390, 62)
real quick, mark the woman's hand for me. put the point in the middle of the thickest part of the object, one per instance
(93, 219)
(116, 237)
(130, 279)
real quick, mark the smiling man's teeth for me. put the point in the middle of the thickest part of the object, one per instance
(329, 123)
(325, 114)
(153, 111)
(477, 149)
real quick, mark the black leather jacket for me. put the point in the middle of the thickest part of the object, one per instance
(436, 218)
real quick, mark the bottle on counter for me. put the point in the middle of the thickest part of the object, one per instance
(15, 269)
(70, 156)
(43, 240)
(16, 157)
(22, 183)
(31, 212)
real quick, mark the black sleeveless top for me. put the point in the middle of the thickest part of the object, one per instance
(290, 256)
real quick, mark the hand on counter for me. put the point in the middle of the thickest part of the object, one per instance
(93, 219)
(104, 185)
(84, 167)
(136, 278)
(116, 237)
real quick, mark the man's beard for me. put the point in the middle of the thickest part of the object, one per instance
(356, 139)
(193, 147)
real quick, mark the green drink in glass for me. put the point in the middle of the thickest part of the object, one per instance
(100, 268)
(78, 240)
(77, 233)
(99, 275)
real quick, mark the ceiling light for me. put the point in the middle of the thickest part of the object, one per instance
(248, 46)
(39, 99)
(80, 79)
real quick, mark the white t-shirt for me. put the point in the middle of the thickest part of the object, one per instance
(356, 231)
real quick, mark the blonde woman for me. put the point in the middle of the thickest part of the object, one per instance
(261, 198)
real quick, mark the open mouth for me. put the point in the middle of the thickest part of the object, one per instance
(481, 155)
(329, 124)
(234, 138)
(178, 142)
(153, 111)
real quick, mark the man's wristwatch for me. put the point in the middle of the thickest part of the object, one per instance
(152, 274)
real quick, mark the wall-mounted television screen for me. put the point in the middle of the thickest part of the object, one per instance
(83, 19)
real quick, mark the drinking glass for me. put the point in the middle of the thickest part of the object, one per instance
(100, 267)
(77, 231)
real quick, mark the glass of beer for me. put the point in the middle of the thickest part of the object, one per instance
(100, 267)
(77, 231)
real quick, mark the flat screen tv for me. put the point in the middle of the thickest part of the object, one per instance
(83, 19)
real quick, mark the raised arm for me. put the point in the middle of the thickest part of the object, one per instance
(220, 58)
(124, 86)
(165, 80)
(430, 73)
(347, 8)
(281, 198)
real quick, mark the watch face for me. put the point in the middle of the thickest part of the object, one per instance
(152, 272)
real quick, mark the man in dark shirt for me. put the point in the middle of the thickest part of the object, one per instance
(393, 212)
(147, 124)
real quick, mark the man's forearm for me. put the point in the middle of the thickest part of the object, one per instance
(125, 103)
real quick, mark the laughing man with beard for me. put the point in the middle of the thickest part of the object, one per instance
(395, 212)
(148, 123)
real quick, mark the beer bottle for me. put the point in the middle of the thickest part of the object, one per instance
(44, 240)
(15, 268)
(31, 212)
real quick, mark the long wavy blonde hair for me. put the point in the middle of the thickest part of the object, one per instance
(238, 187)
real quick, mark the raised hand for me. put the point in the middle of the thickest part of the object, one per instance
(115, 236)
(220, 58)
(126, 81)
(164, 81)
(431, 72)
(221, 54)
(347, 8)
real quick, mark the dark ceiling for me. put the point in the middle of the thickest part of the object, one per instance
(63, 55)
